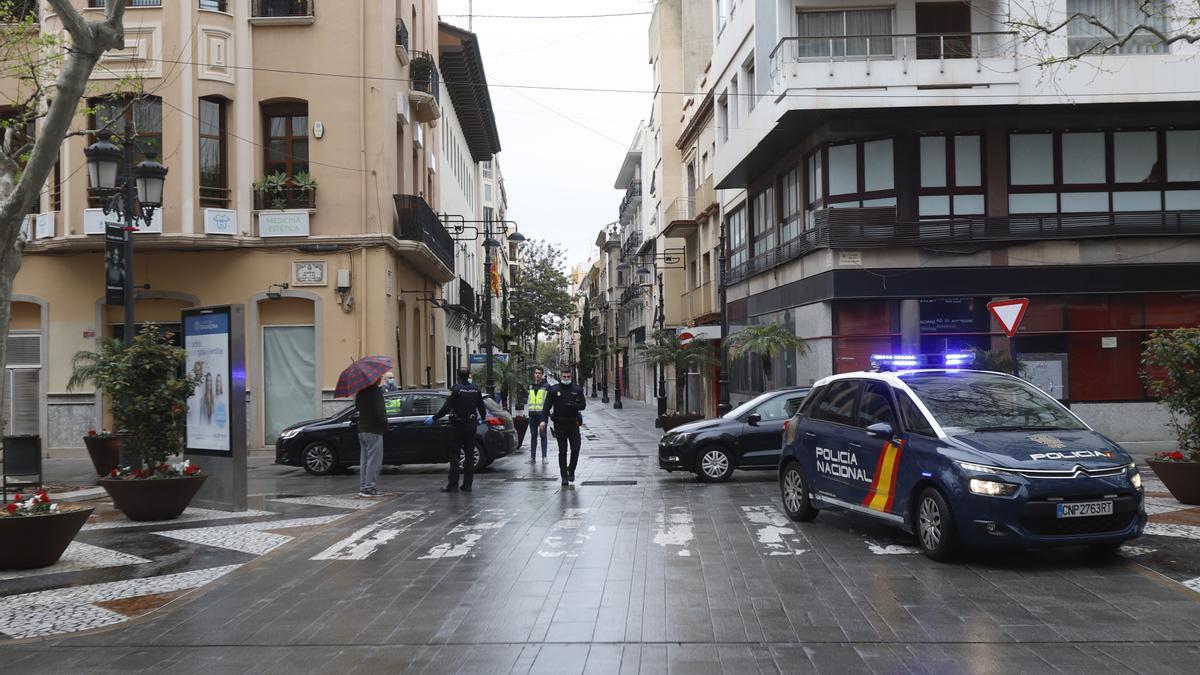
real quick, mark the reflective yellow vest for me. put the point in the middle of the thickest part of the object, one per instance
(537, 398)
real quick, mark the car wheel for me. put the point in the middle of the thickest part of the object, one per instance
(480, 458)
(793, 487)
(714, 465)
(935, 528)
(319, 458)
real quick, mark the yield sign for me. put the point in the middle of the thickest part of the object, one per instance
(1009, 313)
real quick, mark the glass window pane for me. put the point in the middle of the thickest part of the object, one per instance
(1183, 155)
(148, 116)
(968, 205)
(933, 161)
(277, 151)
(210, 118)
(1137, 201)
(878, 165)
(1135, 155)
(300, 151)
(1183, 200)
(883, 201)
(1083, 158)
(277, 127)
(934, 206)
(1085, 202)
(843, 169)
(210, 158)
(300, 125)
(1035, 203)
(1031, 159)
(968, 164)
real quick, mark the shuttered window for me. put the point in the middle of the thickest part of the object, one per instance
(23, 376)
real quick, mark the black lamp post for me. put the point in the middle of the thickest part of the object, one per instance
(603, 307)
(660, 320)
(723, 382)
(140, 192)
(617, 405)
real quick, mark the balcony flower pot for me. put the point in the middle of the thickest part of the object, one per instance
(671, 420)
(152, 498)
(104, 449)
(35, 533)
(521, 424)
(1181, 477)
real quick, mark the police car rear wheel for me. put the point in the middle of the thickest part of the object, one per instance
(715, 465)
(935, 526)
(794, 489)
(319, 459)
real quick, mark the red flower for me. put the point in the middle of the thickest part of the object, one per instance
(91, 432)
(164, 467)
(1177, 455)
(43, 496)
(18, 498)
(11, 508)
(114, 474)
(192, 470)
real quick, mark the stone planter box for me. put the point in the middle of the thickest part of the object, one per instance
(152, 498)
(27, 542)
(1181, 478)
(104, 452)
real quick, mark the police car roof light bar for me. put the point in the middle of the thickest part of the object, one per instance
(889, 362)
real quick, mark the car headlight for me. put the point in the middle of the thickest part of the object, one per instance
(992, 488)
(1135, 478)
(678, 439)
(291, 433)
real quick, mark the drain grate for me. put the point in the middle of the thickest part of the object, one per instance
(528, 479)
(618, 456)
(609, 482)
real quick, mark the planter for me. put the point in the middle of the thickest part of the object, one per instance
(521, 423)
(669, 422)
(27, 542)
(105, 453)
(152, 498)
(1181, 478)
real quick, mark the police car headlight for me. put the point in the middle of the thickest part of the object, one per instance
(992, 488)
(678, 439)
(291, 433)
(1135, 478)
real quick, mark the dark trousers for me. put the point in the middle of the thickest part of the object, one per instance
(535, 432)
(463, 450)
(567, 431)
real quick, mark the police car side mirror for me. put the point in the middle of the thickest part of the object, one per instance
(880, 430)
(753, 419)
(354, 418)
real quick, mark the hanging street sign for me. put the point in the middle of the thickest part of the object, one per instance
(114, 263)
(1009, 313)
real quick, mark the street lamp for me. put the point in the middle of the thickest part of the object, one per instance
(723, 381)
(488, 245)
(603, 307)
(140, 192)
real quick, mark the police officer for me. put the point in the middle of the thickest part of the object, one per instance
(537, 401)
(465, 407)
(564, 402)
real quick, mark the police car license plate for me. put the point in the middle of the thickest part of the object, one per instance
(1084, 509)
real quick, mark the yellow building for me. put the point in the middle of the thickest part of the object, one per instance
(234, 92)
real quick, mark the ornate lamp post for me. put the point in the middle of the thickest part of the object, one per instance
(722, 278)
(140, 192)
(603, 307)
(660, 320)
(488, 245)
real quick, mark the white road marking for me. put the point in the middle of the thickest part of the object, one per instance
(463, 537)
(253, 538)
(675, 529)
(1172, 530)
(775, 533)
(367, 540)
(891, 549)
(566, 536)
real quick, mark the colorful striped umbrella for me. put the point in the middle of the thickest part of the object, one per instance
(362, 374)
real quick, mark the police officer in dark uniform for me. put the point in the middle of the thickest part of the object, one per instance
(564, 403)
(465, 407)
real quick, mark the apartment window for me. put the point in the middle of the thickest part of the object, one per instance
(1103, 171)
(852, 175)
(722, 14)
(109, 116)
(723, 117)
(214, 186)
(487, 169)
(951, 176)
(762, 211)
(751, 97)
(824, 34)
(734, 103)
(99, 4)
(215, 5)
(1121, 16)
(287, 137)
(487, 192)
(281, 8)
(737, 237)
(789, 203)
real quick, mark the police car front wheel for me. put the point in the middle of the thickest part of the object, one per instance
(935, 526)
(794, 489)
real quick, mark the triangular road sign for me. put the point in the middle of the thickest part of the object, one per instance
(1009, 313)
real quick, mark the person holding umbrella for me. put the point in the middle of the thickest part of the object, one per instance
(362, 379)
(465, 407)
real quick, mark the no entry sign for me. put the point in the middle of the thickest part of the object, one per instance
(1009, 313)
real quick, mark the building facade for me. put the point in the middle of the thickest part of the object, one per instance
(312, 200)
(886, 169)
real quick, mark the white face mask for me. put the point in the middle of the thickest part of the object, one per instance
(566, 381)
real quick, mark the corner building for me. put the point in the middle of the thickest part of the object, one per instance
(888, 168)
(236, 91)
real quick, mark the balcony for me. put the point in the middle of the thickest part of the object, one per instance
(680, 219)
(911, 66)
(424, 89)
(283, 12)
(699, 303)
(402, 43)
(426, 243)
(633, 198)
(278, 200)
(705, 201)
(633, 240)
(218, 198)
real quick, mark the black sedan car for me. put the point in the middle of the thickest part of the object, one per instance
(748, 437)
(327, 446)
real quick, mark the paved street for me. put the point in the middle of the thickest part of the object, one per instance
(631, 570)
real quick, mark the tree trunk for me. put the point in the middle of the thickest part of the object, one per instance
(766, 371)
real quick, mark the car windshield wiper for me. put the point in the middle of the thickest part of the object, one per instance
(1017, 428)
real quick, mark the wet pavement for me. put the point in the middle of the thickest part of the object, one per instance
(631, 570)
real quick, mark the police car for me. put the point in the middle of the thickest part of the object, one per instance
(957, 457)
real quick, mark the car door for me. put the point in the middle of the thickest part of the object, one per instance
(393, 404)
(762, 430)
(826, 436)
(425, 444)
(877, 454)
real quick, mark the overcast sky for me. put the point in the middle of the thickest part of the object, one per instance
(562, 150)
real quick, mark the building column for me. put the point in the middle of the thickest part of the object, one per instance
(910, 326)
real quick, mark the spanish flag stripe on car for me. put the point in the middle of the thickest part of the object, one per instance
(881, 495)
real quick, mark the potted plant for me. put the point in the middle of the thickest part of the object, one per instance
(303, 181)
(149, 402)
(104, 448)
(419, 72)
(1171, 372)
(272, 190)
(34, 531)
(667, 351)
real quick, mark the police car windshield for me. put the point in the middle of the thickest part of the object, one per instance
(970, 402)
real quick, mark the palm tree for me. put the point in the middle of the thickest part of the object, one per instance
(666, 350)
(767, 342)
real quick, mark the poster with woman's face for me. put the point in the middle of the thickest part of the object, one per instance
(207, 343)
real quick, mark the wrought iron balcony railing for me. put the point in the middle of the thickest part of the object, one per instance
(279, 9)
(423, 74)
(416, 221)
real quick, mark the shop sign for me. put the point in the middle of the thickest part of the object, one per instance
(948, 315)
(220, 221)
(283, 224)
(309, 272)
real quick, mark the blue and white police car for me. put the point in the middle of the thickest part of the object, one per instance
(958, 457)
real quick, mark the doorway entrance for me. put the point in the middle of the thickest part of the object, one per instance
(289, 377)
